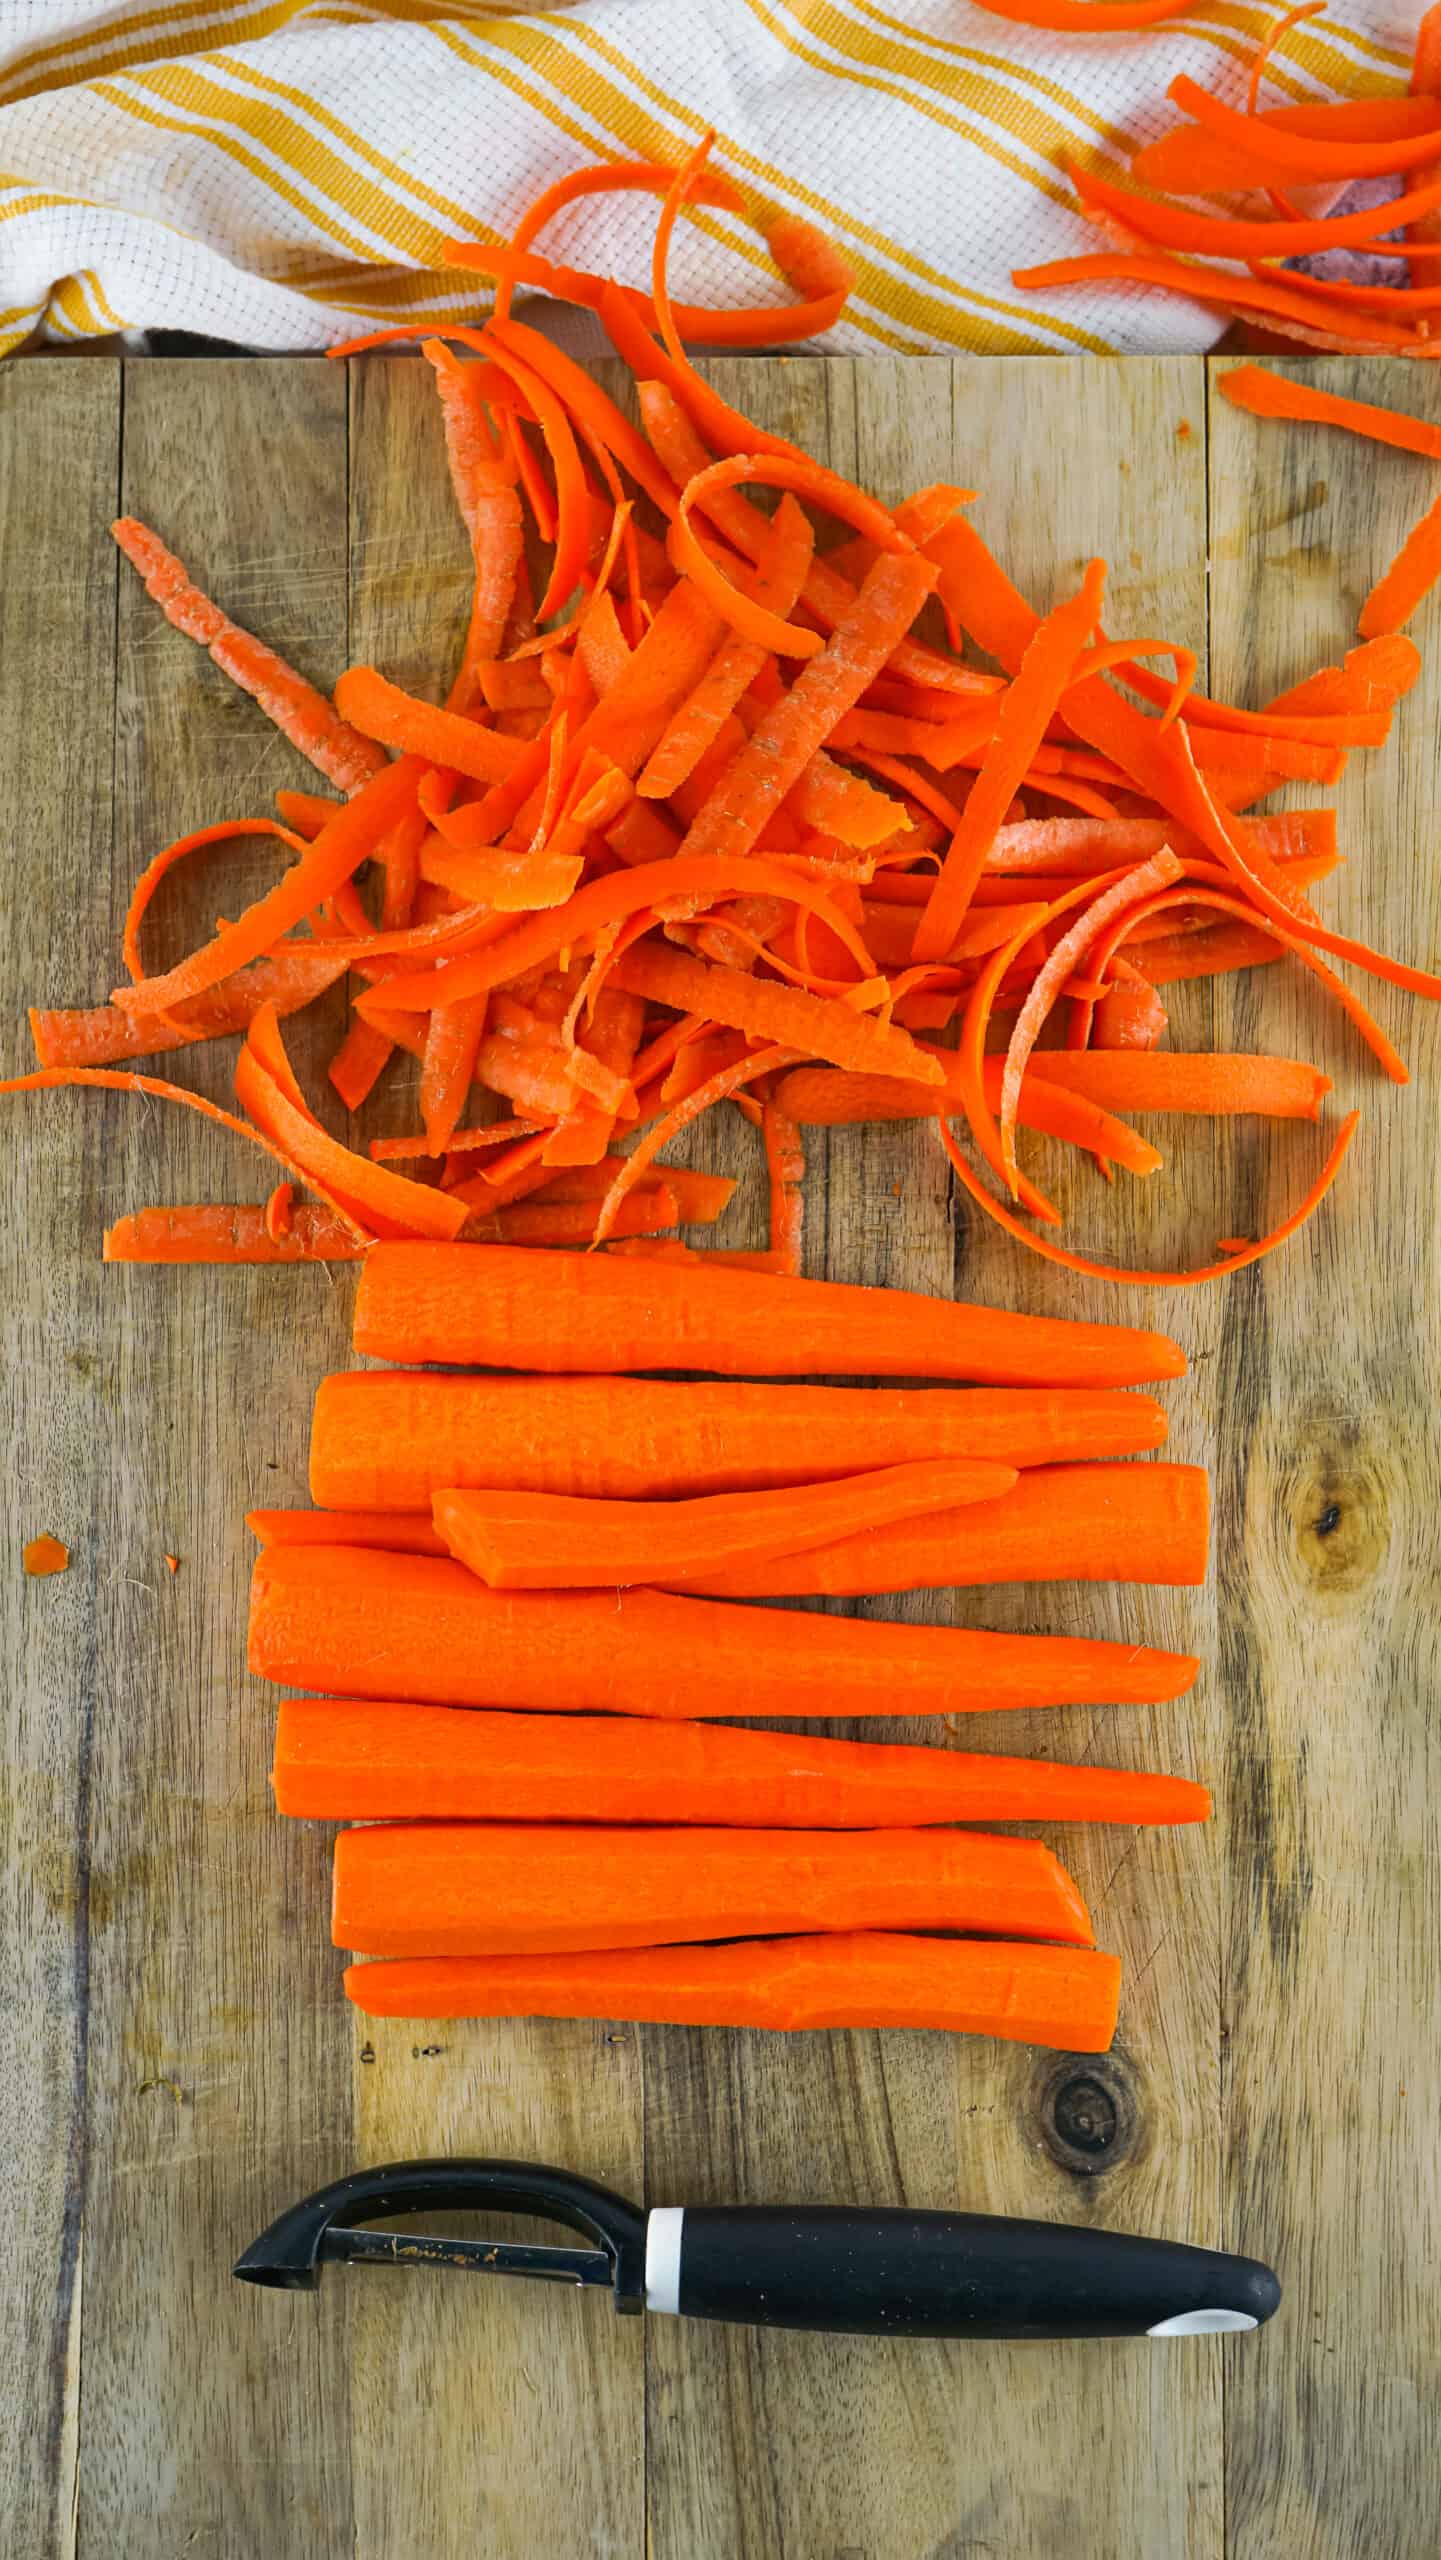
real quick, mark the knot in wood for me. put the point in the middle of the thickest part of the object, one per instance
(1089, 2113)
(1340, 1521)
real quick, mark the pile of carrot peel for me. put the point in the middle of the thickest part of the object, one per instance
(1257, 160)
(510, 1612)
(710, 820)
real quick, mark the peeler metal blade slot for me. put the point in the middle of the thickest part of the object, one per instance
(486, 2257)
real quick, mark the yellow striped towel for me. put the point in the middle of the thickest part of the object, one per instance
(285, 172)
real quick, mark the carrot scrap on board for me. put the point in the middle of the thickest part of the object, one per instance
(45, 1555)
(698, 818)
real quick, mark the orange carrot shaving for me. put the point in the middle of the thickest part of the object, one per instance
(1218, 1270)
(299, 712)
(1028, 706)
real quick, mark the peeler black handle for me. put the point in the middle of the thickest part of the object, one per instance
(893, 2273)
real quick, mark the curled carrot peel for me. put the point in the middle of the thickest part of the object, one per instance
(1072, 947)
(336, 853)
(1218, 1270)
(774, 471)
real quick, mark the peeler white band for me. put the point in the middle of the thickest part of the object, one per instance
(662, 2257)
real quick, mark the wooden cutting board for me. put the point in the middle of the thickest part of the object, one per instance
(178, 2060)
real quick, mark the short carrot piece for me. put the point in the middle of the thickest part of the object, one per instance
(559, 1541)
(215, 1233)
(1059, 1996)
(362, 1623)
(391, 1439)
(477, 1305)
(526, 1888)
(1057, 1524)
(44, 1555)
(404, 1532)
(353, 1760)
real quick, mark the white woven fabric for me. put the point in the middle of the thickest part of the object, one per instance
(283, 172)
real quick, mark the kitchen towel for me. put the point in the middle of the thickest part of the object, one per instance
(288, 172)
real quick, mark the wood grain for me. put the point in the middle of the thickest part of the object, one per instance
(1111, 2449)
(59, 447)
(176, 2061)
(534, 2394)
(1329, 1595)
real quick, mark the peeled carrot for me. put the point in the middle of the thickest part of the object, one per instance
(405, 1532)
(301, 713)
(344, 1760)
(1057, 1524)
(560, 1541)
(525, 1888)
(1060, 1996)
(352, 1760)
(486, 1306)
(361, 1623)
(209, 1233)
(393, 1438)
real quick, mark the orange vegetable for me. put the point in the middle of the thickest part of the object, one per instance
(557, 1541)
(406, 1532)
(383, 711)
(351, 1760)
(299, 712)
(1027, 708)
(336, 853)
(817, 1026)
(776, 755)
(525, 1888)
(362, 1623)
(45, 1555)
(1059, 1996)
(820, 1097)
(223, 1234)
(101, 1035)
(392, 1439)
(1057, 1524)
(474, 1304)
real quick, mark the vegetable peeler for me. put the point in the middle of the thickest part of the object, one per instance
(883, 2271)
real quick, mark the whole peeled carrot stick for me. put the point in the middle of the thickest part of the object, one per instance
(530, 1888)
(503, 1308)
(363, 1623)
(353, 1760)
(561, 1541)
(1057, 1524)
(393, 1438)
(405, 1531)
(1061, 1996)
